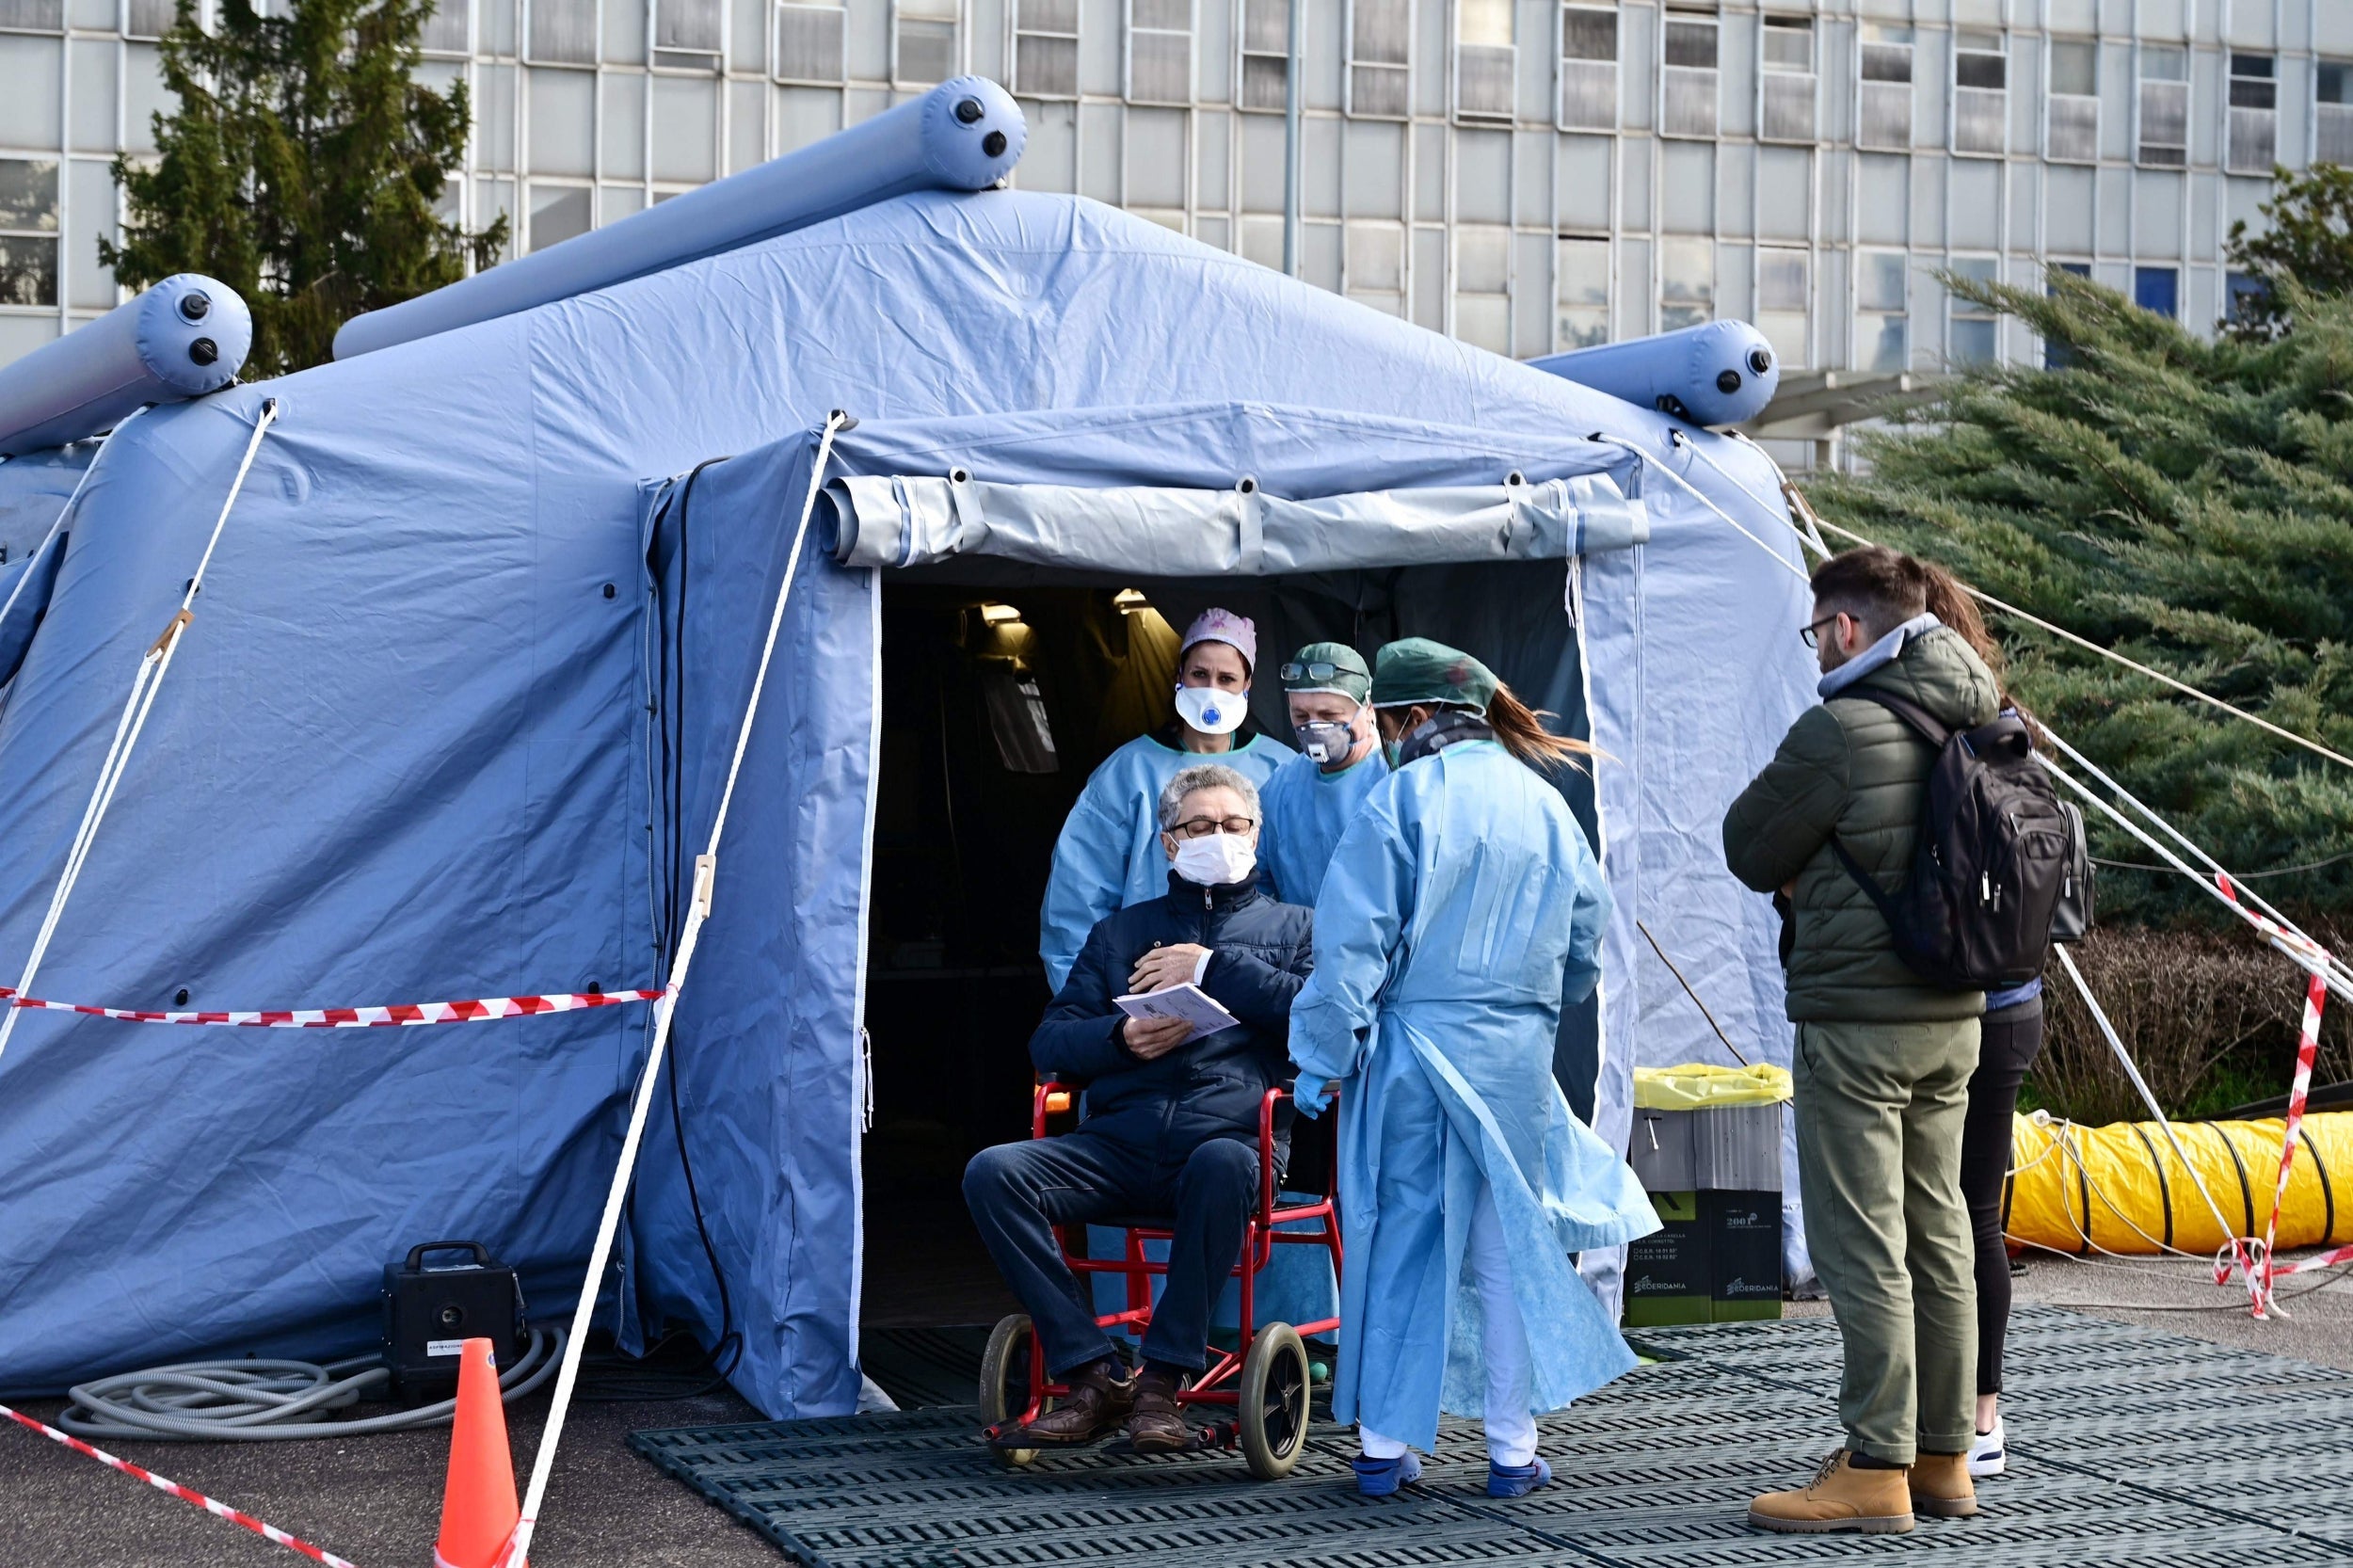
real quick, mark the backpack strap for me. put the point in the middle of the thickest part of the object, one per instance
(1917, 718)
(1863, 880)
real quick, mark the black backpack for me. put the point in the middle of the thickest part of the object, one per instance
(1996, 852)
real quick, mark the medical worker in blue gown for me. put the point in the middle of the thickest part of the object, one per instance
(1313, 797)
(1109, 855)
(1461, 910)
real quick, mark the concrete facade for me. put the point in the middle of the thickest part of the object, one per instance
(1527, 175)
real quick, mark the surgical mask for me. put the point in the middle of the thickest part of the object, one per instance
(1210, 710)
(1215, 860)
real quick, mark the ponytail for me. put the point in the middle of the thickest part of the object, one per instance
(1521, 731)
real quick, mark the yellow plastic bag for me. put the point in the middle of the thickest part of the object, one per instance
(2122, 1188)
(1697, 1086)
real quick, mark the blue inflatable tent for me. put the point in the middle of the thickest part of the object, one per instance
(466, 668)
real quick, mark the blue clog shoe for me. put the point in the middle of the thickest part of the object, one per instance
(1516, 1480)
(1381, 1477)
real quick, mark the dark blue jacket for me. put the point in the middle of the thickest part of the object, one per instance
(1209, 1087)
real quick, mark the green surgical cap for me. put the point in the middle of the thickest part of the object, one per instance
(1419, 670)
(1349, 678)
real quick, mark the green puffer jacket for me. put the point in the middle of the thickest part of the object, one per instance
(1850, 766)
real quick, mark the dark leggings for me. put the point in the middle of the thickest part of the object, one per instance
(2011, 1041)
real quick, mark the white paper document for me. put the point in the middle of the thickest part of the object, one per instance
(1187, 1001)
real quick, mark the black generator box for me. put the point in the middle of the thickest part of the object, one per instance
(430, 1311)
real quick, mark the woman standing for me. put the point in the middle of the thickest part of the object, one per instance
(1461, 910)
(2011, 1038)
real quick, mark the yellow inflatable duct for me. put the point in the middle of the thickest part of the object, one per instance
(2122, 1188)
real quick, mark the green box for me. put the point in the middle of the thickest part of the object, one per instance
(1667, 1271)
(1715, 1259)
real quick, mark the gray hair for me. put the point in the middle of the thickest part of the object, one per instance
(1207, 776)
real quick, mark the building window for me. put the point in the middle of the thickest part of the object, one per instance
(2243, 294)
(1980, 92)
(1159, 51)
(923, 43)
(685, 32)
(153, 19)
(447, 31)
(1689, 78)
(2158, 289)
(2333, 85)
(1482, 285)
(1787, 90)
(1266, 48)
(2254, 144)
(564, 32)
(2057, 355)
(1589, 68)
(1883, 119)
(1486, 58)
(1045, 48)
(1582, 294)
(2164, 106)
(28, 231)
(1686, 282)
(1376, 265)
(1380, 52)
(560, 212)
(2071, 111)
(1975, 334)
(1881, 342)
(1784, 292)
(33, 16)
(810, 42)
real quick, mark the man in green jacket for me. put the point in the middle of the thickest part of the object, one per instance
(1882, 1058)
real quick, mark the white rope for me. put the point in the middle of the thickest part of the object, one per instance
(148, 679)
(698, 910)
(56, 524)
(2186, 842)
(2107, 1033)
(1701, 497)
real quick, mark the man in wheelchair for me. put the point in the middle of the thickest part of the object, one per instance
(1169, 1124)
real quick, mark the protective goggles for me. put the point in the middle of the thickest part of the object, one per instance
(1318, 670)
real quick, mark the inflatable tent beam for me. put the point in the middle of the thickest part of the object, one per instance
(186, 336)
(1717, 373)
(962, 134)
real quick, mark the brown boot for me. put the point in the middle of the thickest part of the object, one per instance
(1940, 1486)
(1839, 1497)
(1098, 1402)
(1157, 1425)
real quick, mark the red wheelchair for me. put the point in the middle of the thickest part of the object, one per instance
(1265, 1384)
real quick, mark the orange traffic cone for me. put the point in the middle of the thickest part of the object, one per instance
(478, 1511)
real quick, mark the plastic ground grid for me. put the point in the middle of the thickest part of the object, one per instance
(2127, 1446)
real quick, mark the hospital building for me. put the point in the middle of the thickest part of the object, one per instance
(1526, 175)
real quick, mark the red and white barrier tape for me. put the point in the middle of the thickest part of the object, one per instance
(474, 1009)
(185, 1494)
(2307, 1046)
(2323, 1260)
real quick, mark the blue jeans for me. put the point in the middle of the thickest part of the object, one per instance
(1018, 1192)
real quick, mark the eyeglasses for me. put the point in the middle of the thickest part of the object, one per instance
(1812, 635)
(1201, 827)
(1316, 671)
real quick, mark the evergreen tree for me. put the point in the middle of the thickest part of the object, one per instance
(300, 167)
(2306, 246)
(2188, 504)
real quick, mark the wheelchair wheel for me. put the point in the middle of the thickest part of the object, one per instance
(1005, 1381)
(1274, 1401)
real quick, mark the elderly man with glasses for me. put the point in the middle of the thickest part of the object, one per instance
(1171, 1116)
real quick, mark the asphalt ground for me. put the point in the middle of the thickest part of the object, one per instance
(376, 1500)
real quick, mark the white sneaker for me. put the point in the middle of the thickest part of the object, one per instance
(1989, 1452)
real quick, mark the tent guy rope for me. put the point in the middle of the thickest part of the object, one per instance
(154, 665)
(699, 911)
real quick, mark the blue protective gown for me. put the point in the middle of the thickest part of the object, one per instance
(1462, 909)
(1307, 811)
(1109, 855)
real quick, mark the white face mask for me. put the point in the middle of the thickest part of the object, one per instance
(1210, 710)
(1215, 860)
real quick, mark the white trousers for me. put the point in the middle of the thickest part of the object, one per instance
(1511, 1375)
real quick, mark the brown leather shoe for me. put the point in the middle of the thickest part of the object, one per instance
(1940, 1486)
(1839, 1497)
(1157, 1425)
(1098, 1402)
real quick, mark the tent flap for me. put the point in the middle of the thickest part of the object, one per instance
(917, 520)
